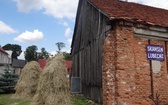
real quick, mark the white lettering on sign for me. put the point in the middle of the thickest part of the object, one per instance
(155, 52)
(160, 56)
(155, 49)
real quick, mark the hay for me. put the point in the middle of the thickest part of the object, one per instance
(53, 84)
(48, 62)
(28, 80)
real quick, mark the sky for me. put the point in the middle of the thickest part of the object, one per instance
(44, 22)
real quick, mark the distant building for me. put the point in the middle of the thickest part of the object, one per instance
(9, 55)
(68, 64)
(42, 62)
(4, 60)
(18, 65)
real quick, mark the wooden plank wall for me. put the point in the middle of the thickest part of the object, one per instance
(87, 50)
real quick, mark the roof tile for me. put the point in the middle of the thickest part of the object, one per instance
(116, 9)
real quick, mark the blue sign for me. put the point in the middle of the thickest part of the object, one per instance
(155, 52)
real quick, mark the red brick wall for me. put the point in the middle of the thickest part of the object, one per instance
(109, 69)
(161, 79)
(126, 71)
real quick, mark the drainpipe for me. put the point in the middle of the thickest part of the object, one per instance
(151, 76)
(166, 55)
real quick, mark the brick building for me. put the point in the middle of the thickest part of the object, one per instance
(119, 50)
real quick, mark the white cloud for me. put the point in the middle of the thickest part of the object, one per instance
(28, 5)
(55, 8)
(30, 37)
(68, 32)
(155, 3)
(67, 8)
(53, 53)
(6, 29)
(64, 23)
(61, 8)
(69, 41)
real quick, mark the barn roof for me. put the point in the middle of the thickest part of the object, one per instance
(121, 10)
(115, 9)
(3, 51)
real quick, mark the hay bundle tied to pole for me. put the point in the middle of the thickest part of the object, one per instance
(53, 84)
(27, 84)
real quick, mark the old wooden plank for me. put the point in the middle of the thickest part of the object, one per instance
(97, 60)
(92, 62)
(95, 63)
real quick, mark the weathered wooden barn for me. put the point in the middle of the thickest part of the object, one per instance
(119, 50)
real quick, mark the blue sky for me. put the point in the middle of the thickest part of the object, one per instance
(43, 22)
(37, 22)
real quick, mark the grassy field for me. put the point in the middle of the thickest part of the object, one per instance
(5, 99)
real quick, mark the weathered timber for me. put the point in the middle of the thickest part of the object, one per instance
(89, 34)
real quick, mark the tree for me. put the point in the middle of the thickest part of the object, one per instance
(43, 54)
(31, 53)
(8, 81)
(60, 45)
(67, 56)
(16, 49)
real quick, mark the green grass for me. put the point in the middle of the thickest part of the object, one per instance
(79, 100)
(5, 99)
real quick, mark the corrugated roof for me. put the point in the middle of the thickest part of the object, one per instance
(2, 50)
(116, 9)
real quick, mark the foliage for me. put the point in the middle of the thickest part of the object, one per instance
(31, 53)
(15, 48)
(8, 81)
(6, 99)
(43, 54)
(60, 45)
(67, 56)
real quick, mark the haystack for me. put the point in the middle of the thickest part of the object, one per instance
(28, 80)
(53, 84)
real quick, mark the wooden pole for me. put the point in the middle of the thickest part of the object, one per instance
(151, 76)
